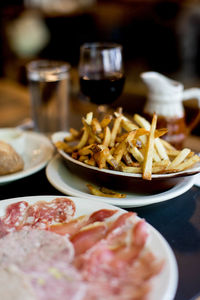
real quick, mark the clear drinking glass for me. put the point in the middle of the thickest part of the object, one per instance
(101, 72)
(49, 91)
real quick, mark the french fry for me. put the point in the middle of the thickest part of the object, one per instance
(106, 121)
(86, 150)
(148, 158)
(112, 162)
(128, 125)
(83, 139)
(115, 129)
(142, 122)
(160, 167)
(83, 158)
(90, 132)
(75, 134)
(167, 145)
(107, 136)
(90, 162)
(128, 159)
(179, 158)
(128, 169)
(101, 157)
(104, 192)
(136, 153)
(186, 164)
(63, 146)
(160, 132)
(96, 127)
(89, 118)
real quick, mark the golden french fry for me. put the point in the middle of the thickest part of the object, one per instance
(82, 158)
(160, 132)
(128, 125)
(86, 150)
(75, 134)
(128, 159)
(107, 136)
(186, 164)
(136, 153)
(91, 133)
(160, 167)
(83, 139)
(167, 145)
(89, 118)
(101, 157)
(90, 162)
(115, 129)
(160, 149)
(104, 192)
(112, 162)
(179, 158)
(75, 155)
(106, 121)
(121, 148)
(172, 153)
(148, 158)
(142, 122)
(63, 146)
(96, 127)
(111, 192)
(128, 169)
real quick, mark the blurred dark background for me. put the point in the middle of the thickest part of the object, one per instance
(157, 35)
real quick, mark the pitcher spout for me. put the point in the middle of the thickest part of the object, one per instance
(160, 84)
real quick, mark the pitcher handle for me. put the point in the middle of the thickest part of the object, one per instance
(192, 93)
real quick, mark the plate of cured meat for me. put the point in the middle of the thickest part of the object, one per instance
(74, 248)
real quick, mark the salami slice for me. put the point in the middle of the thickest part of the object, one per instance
(43, 214)
(39, 215)
(15, 215)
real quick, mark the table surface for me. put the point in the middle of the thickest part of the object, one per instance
(178, 219)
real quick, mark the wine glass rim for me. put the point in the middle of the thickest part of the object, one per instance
(100, 45)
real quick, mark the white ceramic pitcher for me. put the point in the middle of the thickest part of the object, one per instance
(165, 97)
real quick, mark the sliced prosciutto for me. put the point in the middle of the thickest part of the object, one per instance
(74, 226)
(117, 267)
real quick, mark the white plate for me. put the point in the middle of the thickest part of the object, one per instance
(59, 136)
(69, 183)
(165, 284)
(35, 149)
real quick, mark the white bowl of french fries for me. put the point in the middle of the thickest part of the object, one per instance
(120, 152)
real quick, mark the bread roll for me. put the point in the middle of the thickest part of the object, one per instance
(10, 161)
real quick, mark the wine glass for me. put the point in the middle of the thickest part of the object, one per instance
(101, 73)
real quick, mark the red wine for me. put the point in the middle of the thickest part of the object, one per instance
(104, 90)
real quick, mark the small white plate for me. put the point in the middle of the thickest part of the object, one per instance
(60, 176)
(35, 149)
(164, 285)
